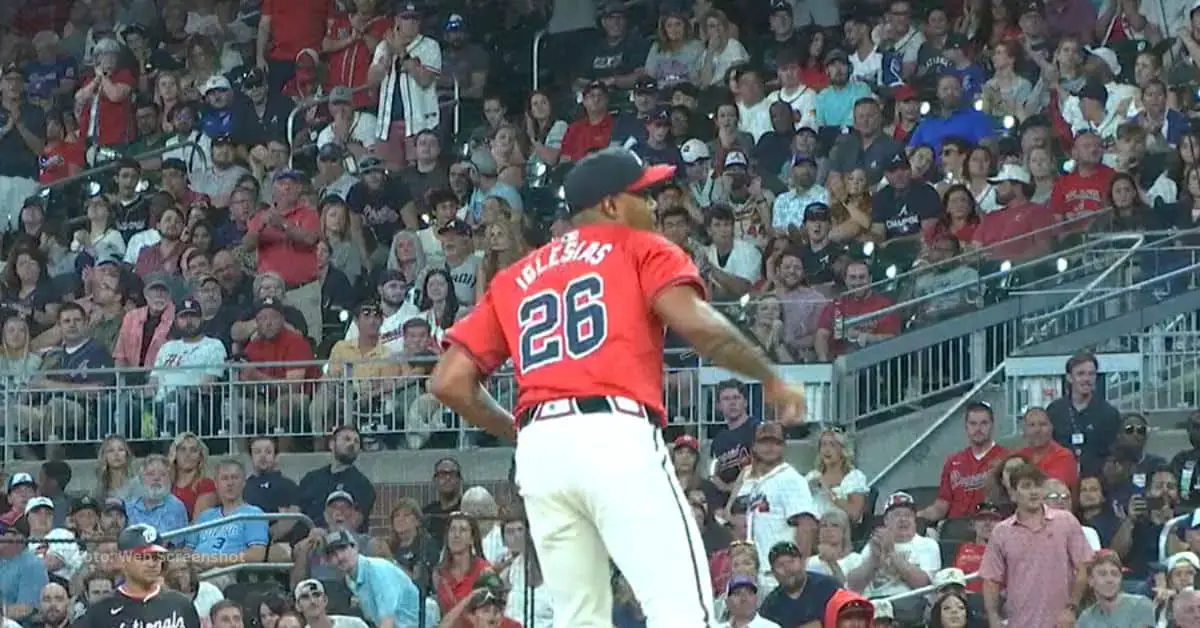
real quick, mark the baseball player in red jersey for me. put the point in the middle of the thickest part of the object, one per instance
(582, 319)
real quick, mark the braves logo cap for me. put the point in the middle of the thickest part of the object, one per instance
(608, 173)
(140, 539)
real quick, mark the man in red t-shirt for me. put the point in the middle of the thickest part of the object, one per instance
(105, 101)
(835, 336)
(275, 396)
(593, 131)
(965, 472)
(969, 556)
(1019, 230)
(1056, 461)
(582, 320)
(1084, 190)
(285, 236)
(285, 28)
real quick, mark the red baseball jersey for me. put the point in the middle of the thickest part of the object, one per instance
(964, 479)
(577, 316)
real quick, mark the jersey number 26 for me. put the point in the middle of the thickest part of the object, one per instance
(571, 323)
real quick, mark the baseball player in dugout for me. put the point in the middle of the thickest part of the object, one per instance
(582, 319)
(141, 601)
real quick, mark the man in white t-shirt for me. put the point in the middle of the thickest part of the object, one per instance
(355, 131)
(776, 494)
(179, 388)
(800, 97)
(897, 559)
(729, 265)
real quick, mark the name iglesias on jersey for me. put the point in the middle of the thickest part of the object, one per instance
(567, 250)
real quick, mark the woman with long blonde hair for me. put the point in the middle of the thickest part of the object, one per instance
(186, 458)
(344, 252)
(835, 482)
(18, 366)
(835, 555)
(115, 475)
(504, 246)
(675, 56)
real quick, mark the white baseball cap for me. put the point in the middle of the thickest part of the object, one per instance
(950, 576)
(736, 158)
(883, 609)
(1108, 57)
(38, 502)
(216, 81)
(1180, 558)
(1012, 172)
(694, 150)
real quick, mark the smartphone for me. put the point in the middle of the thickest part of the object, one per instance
(1139, 483)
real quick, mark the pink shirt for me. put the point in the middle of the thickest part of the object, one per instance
(1036, 567)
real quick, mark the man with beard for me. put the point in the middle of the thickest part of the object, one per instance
(791, 207)
(777, 493)
(141, 599)
(184, 369)
(59, 551)
(462, 60)
(270, 489)
(341, 514)
(801, 303)
(957, 119)
(387, 595)
(867, 147)
(236, 288)
(448, 482)
(188, 145)
(220, 178)
(54, 607)
(1000, 231)
(397, 308)
(156, 506)
(802, 595)
(225, 115)
(367, 359)
(340, 474)
(380, 205)
(835, 104)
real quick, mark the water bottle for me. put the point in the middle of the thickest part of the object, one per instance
(172, 415)
(839, 322)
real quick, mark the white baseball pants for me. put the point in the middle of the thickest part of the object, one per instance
(601, 485)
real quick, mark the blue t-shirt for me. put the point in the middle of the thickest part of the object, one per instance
(810, 606)
(169, 515)
(41, 79)
(231, 538)
(22, 578)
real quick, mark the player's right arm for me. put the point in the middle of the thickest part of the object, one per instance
(475, 347)
(675, 292)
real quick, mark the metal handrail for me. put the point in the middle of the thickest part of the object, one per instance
(241, 567)
(308, 103)
(537, 56)
(974, 253)
(216, 523)
(1138, 238)
(113, 164)
(919, 591)
(967, 398)
(1105, 297)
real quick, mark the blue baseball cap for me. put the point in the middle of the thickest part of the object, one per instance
(290, 175)
(455, 23)
(741, 582)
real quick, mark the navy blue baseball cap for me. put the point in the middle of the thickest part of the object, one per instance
(608, 173)
(290, 175)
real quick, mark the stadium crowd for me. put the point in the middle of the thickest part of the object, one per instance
(316, 190)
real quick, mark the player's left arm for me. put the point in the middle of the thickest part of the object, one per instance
(475, 347)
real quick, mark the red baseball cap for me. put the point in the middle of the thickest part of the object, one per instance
(904, 92)
(687, 441)
(609, 173)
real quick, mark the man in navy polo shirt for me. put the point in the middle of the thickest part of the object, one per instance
(802, 595)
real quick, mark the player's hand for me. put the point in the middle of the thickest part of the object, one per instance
(789, 401)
